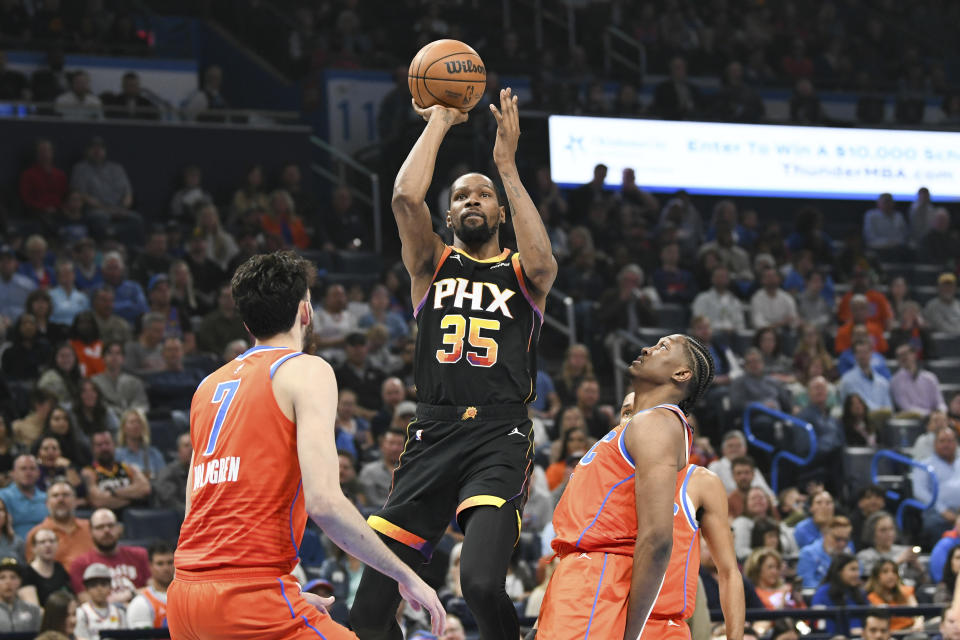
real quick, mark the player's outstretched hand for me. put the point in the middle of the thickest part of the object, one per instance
(321, 603)
(420, 596)
(508, 127)
(449, 115)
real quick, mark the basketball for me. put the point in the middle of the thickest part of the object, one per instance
(449, 73)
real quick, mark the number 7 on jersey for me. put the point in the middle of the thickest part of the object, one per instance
(223, 394)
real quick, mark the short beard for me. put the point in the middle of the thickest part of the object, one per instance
(476, 236)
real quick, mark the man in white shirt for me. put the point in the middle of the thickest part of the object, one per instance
(148, 610)
(332, 322)
(943, 312)
(771, 306)
(734, 445)
(79, 103)
(719, 305)
(884, 226)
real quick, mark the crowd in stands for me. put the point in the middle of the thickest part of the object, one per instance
(87, 27)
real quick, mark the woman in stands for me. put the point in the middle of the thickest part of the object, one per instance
(74, 446)
(221, 247)
(573, 442)
(55, 468)
(41, 306)
(250, 196)
(576, 366)
(29, 351)
(776, 364)
(810, 349)
(11, 545)
(885, 588)
(841, 587)
(90, 414)
(62, 379)
(945, 588)
(134, 444)
(879, 534)
(764, 568)
(182, 292)
(856, 426)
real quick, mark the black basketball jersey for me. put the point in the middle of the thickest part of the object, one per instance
(478, 332)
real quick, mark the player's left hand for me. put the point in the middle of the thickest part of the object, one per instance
(321, 603)
(508, 127)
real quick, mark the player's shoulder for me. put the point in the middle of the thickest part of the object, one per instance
(705, 483)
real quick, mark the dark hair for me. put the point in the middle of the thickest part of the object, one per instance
(848, 419)
(349, 456)
(268, 289)
(758, 336)
(94, 327)
(873, 584)
(838, 590)
(949, 575)
(743, 460)
(71, 378)
(55, 611)
(114, 343)
(159, 548)
(870, 490)
(38, 294)
(73, 445)
(564, 443)
(879, 614)
(761, 527)
(702, 369)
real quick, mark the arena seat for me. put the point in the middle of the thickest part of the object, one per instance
(856, 466)
(925, 275)
(946, 369)
(946, 345)
(674, 316)
(359, 262)
(650, 335)
(742, 340)
(163, 436)
(151, 524)
(900, 433)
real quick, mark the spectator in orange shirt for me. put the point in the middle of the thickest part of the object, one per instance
(73, 533)
(281, 220)
(860, 313)
(880, 310)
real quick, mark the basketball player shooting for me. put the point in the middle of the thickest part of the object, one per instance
(263, 459)
(479, 309)
(615, 524)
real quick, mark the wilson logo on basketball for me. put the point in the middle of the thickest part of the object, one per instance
(463, 66)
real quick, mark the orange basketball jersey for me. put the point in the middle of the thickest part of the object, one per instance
(678, 595)
(598, 510)
(246, 504)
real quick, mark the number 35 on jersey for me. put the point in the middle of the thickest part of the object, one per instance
(458, 329)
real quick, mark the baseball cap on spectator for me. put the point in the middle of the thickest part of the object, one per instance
(156, 279)
(96, 571)
(355, 338)
(947, 278)
(11, 564)
(405, 408)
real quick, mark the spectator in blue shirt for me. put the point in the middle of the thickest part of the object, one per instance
(547, 404)
(840, 588)
(380, 313)
(863, 381)
(829, 432)
(14, 287)
(129, 300)
(946, 471)
(815, 558)
(809, 530)
(796, 279)
(884, 226)
(941, 554)
(26, 505)
(67, 300)
(673, 284)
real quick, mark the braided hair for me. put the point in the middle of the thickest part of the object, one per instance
(703, 369)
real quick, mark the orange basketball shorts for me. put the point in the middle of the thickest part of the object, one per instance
(252, 606)
(665, 629)
(587, 598)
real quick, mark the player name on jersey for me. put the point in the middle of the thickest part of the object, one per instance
(216, 471)
(457, 287)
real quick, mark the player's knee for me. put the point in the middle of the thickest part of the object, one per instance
(480, 589)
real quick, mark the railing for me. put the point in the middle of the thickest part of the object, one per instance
(895, 495)
(620, 365)
(783, 454)
(611, 36)
(568, 328)
(342, 161)
(565, 20)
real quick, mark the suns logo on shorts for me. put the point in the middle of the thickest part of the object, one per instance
(469, 414)
(418, 435)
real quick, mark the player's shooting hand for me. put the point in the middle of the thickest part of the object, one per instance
(448, 115)
(321, 603)
(508, 127)
(421, 596)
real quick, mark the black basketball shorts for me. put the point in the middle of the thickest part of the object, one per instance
(456, 458)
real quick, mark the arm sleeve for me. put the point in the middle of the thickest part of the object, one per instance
(139, 613)
(921, 485)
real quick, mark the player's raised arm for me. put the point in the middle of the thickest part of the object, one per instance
(421, 247)
(536, 254)
(716, 531)
(655, 442)
(311, 386)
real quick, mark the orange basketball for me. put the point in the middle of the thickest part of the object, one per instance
(447, 72)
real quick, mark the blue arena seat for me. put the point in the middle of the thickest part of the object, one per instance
(151, 524)
(163, 436)
(900, 433)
